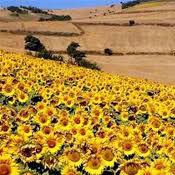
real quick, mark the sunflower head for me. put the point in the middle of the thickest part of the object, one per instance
(131, 168)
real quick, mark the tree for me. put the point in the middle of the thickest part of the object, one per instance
(131, 22)
(74, 53)
(33, 44)
(108, 51)
(79, 56)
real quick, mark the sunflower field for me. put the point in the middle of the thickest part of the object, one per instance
(61, 119)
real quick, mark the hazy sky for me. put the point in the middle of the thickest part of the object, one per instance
(59, 3)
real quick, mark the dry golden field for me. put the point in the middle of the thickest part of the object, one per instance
(146, 48)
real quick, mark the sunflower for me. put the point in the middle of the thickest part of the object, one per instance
(42, 119)
(27, 153)
(22, 97)
(127, 146)
(94, 165)
(130, 168)
(143, 150)
(8, 166)
(40, 106)
(108, 156)
(161, 165)
(69, 170)
(53, 143)
(8, 90)
(155, 123)
(25, 130)
(146, 171)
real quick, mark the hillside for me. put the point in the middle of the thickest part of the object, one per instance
(62, 119)
(151, 40)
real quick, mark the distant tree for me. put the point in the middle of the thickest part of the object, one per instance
(108, 51)
(33, 44)
(74, 53)
(17, 10)
(79, 56)
(131, 22)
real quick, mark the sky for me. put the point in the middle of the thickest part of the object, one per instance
(59, 4)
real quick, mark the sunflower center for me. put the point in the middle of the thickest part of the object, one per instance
(27, 152)
(5, 169)
(71, 172)
(4, 128)
(82, 131)
(77, 120)
(94, 163)
(47, 130)
(64, 121)
(159, 165)
(74, 156)
(127, 146)
(43, 119)
(26, 129)
(143, 148)
(8, 88)
(131, 168)
(156, 123)
(51, 143)
(107, 154)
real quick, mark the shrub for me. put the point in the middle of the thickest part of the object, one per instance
(108, 51)
(131, 22)
(88, 64)
(34, 9)
(79, 56)
(130, 4)
(33, 44)
(74, 53)
(57, 18)
(49, 55)
(16, 9)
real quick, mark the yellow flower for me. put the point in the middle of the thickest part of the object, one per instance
(8, 166)
(127, 146)
(130, 168)
(94, 166)
(25, 131)
(8, 90)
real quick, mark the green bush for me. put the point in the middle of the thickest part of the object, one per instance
(34, 9)
(57, 18)
(108, 51)
(33, 44)
(79, 56)
(17, 10)
(88, 64)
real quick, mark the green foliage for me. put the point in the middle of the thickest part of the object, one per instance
(74, 53)
(33, 44)
(108, 51)
(16, 10)
(49, 55)
(132, 3)
(57, 18)
(88, 64)
(79, 56)
(131, 22)
(34, 9)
